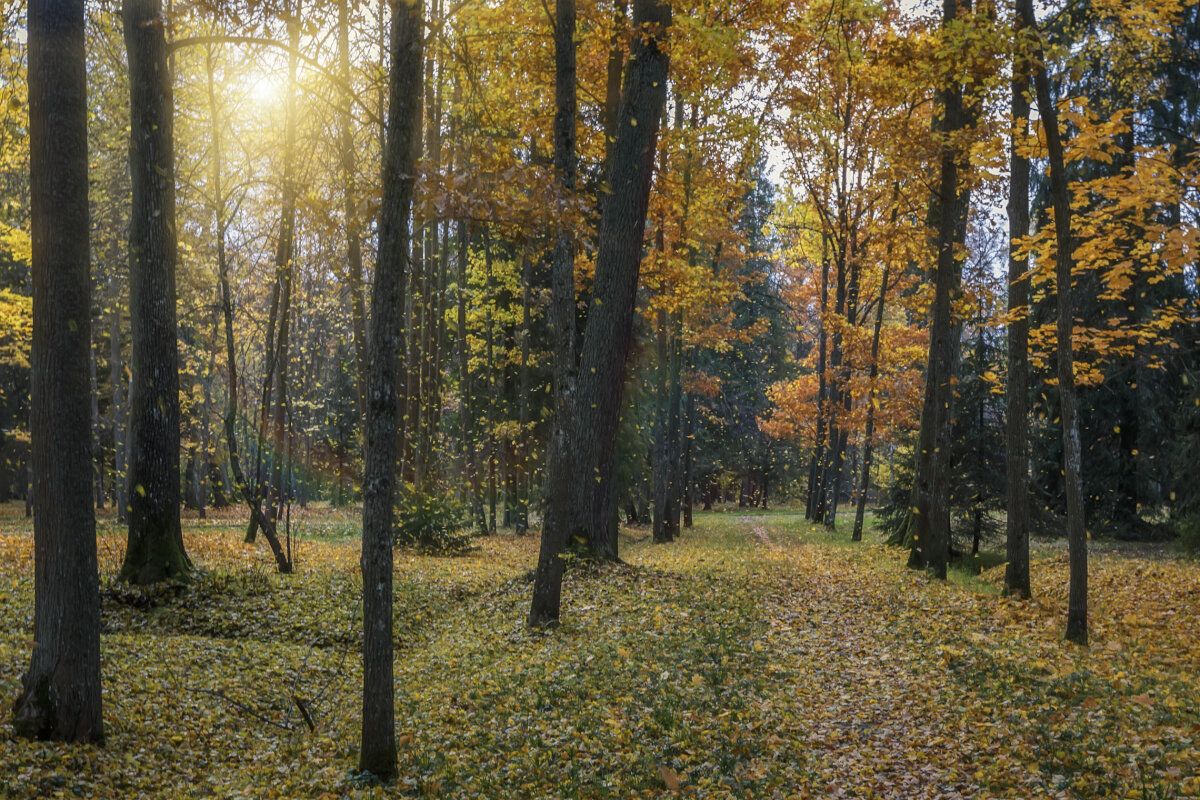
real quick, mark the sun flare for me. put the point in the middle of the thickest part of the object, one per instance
(264, 90)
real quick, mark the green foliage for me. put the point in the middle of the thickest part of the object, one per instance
(896, 508)
(431, 522)
(1185, 455)
(1189, 534)
(15, 256)
(743, 364)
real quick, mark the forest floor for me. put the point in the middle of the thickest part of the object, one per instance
(757, 657)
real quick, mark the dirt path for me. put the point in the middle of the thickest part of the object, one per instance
(859, 701)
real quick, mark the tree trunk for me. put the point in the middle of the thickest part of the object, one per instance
(525, 442)
(28, 485)
(97, 429)
(431, 260)
(689, 428)
(410, 453)
(609, 332)
(216, 482)
(860, 512)
(155, 549)
(609, 329)
(285, 256)
(674, 422)
(264, 419)
(931, 526)
(433, 460)
(1016, 426)
(60, 693)
(378, 751)
(661, 460)
(202, 468)
(1077, 611)
(556, 520)
(837, 390)
(120, 413)
(616, 62)
(354, 265)
(815, 509)
(251, 496)
(490, 355)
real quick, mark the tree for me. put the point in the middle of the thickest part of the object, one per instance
(155, 549)
(378, 751)
(557, 519)
(349, 164)
(1016, 571)
(60, 694)
(931, 481)
(218, 202)
(1077, 620)
(608, 334)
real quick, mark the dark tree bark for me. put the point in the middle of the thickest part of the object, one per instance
(869, 431)
(815, 507)
(411, 379)
(674, 424)
(28, 486)
(202, 470)
(609, 330)
(931, 485)
(155, 550)
(97, 429)
(432, 278)
(847, 309)
(556, 520)
(378, 753)
(524, 445)
(60, 693)
(613, 69)
(1077, 611)
(437, 369)
(663, 531)
(689, 427)
(1016, 428)
(120, 413)
(836, 389)
(606, 489)
(489, 338)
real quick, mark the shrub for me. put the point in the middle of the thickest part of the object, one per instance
(432, 523)
(1188, 527)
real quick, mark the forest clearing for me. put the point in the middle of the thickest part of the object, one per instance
(758, 656)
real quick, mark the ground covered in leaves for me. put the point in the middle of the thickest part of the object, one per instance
(754, 658)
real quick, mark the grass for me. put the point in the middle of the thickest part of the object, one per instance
(757, 656)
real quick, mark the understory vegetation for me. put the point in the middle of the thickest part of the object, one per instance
(758, 656)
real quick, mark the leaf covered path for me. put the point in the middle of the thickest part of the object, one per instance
(754, 658)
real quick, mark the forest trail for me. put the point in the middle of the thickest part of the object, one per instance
(853, 711)
(757, 656)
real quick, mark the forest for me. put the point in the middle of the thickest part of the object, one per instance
(600, 398)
